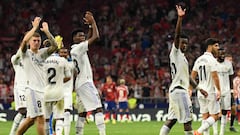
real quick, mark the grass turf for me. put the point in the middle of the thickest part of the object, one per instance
(135, 128)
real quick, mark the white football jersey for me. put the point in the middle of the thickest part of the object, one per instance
(20, 77)
(68, 86)
(225, 69)
(56, 69)
(179, 69)
(82, 63)
(205, 65)
(33, 67)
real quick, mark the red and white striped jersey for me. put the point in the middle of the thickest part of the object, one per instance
(122, 93)
(236, 87)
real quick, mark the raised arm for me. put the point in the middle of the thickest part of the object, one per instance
(89, 35)
(89, 19)
(35, 24)
(53, 47)
(178, 29)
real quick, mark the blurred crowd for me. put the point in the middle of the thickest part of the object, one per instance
(136, 36)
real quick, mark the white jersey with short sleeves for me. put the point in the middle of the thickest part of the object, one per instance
(205, 65)
(33, 67)
(225, 69)
(20, 77)
(56, 69)
(179, 69)
(82, 63)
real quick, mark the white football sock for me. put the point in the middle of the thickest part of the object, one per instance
(215, 128)
(80, 125)
(223, 124)
(99, 120)
(67, 123)
(59, 127)
(16, 122)
(208, 122)
(164, 130)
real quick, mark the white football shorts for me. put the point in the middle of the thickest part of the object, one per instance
(89, 96)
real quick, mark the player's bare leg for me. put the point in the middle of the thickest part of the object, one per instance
(233, 116)
(238, 113)
(40, 125)
(28, 122)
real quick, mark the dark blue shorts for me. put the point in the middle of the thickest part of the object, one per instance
(123, 105)
(111, 105)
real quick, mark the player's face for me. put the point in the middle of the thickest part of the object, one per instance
(35, 43)
(63, 53)
(215, 48)
(109, 79)
(221, 55)
(79, 37)
(183, 44)
(238, 72)
(229, 58)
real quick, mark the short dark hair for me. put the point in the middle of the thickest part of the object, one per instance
(210, 41)
(182, 35)
(75, 31)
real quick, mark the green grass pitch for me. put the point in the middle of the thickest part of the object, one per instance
(135, 128)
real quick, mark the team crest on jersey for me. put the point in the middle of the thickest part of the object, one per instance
(109, 90)
(37, 62)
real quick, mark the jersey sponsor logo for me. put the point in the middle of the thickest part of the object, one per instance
(3, 117)
(37, 62)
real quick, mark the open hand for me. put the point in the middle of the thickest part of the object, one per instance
(88, 18)
(180, 11)
(44, 27)
(36, 21)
